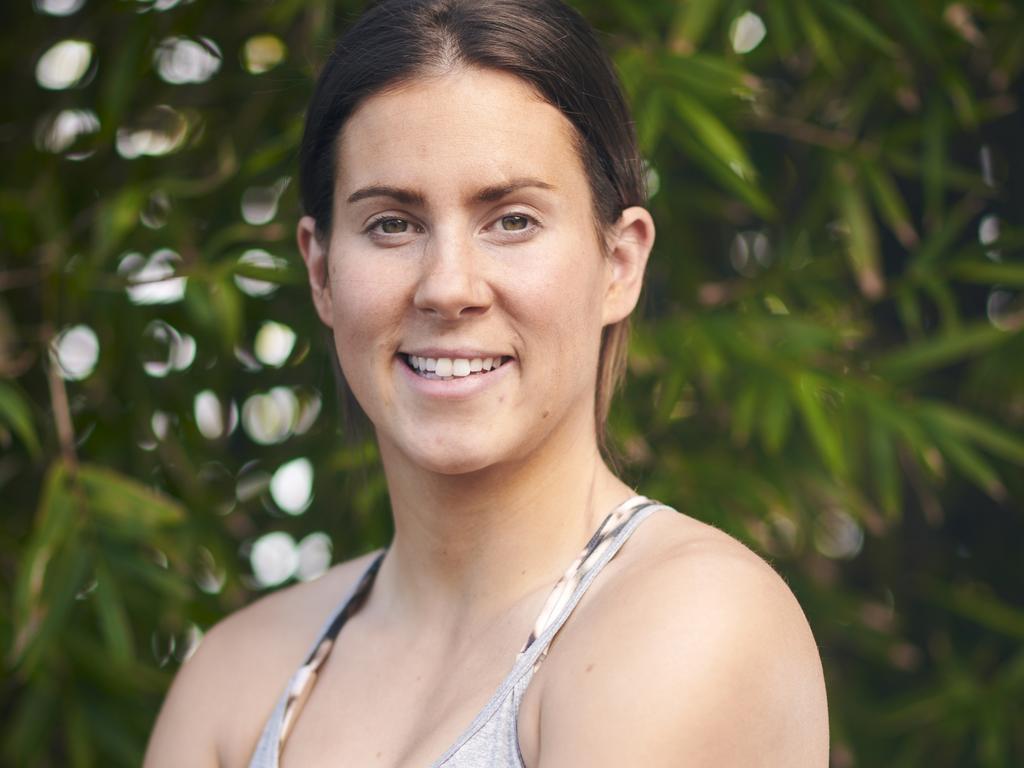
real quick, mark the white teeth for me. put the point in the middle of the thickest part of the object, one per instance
(448, 367)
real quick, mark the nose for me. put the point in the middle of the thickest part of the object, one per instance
(451, 285)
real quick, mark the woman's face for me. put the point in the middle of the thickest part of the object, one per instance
(466, 286)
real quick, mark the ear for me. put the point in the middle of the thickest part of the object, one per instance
(314, 253)
(629, 245)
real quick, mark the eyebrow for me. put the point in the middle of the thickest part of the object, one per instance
(412, 197)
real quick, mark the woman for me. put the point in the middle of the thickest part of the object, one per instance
(475, 241)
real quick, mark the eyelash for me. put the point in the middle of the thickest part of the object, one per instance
(531, 221)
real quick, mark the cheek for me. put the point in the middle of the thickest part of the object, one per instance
(367, 304)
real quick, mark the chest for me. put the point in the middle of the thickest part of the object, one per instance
(392, 704)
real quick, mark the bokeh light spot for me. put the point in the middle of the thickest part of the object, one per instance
(64, 65)
(274, 343)
(268, 418)
(291, 486)
(59, 132)
(76, 350)
(262, 53)
(152, 280)
(180, 60)
(257, 257)
(274, 558)
(747, 32)
(315, 552)
(58, 7)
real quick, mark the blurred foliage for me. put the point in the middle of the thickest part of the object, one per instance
(830, 365)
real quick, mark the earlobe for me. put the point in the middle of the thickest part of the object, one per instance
(314, 254)
(629, 246)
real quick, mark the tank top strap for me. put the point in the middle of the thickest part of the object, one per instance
(607, 540)
(302, 682)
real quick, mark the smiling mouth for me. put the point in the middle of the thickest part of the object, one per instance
(448, 368)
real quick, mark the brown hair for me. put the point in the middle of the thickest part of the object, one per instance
(545, 43)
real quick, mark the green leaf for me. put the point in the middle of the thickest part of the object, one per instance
(113, 616)
(890, 204)
(776, 418)
(126, 506)
(963, 424)
(971, 463)
(823, 45)
(861, 237)
(848, 17)
(743, 414)
(884, 467)
(65, 578)
(55, 525)
(714, 135)
(16, 412)
(810, 393)
(940, 351)
(692, 22)
(987, 273)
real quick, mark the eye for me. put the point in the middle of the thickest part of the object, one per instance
(391, 226)
(515, 222)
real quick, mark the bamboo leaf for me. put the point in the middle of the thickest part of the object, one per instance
(113, 616)
(809, 391)
(16, 412)
(848, 17)
(776, 418)
(692, 22)
(971, 464)
(890, 204)
(55, 525)
(861, 235)
(823, 45)
(125, 505)
(743, 414)
(64, 580)
(940, 351)
(965, 425)
(987, 273)
(714, 135)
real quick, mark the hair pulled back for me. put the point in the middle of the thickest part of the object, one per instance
(545, 43)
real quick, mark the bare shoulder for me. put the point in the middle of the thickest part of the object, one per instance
(223, 694)
(692, 652)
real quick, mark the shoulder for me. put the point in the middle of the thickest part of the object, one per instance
(224, 693)
(692, 652)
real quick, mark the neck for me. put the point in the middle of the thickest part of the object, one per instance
(468, 546)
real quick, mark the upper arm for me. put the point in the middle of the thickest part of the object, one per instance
(705, 661)
(186, 729)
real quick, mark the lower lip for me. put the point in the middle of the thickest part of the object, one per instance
(455, 388)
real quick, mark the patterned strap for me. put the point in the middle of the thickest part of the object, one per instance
(304, 680)
(566, 587)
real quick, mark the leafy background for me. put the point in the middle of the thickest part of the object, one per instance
(830, 364)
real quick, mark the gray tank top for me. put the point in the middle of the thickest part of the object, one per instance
(491, 740)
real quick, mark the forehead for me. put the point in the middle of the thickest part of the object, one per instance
(456, 130)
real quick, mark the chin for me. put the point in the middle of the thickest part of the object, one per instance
(456, 457)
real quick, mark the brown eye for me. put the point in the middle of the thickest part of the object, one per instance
(514, 223)
(394, 226)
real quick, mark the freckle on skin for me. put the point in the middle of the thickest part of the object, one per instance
(589, 667)
(545, 414)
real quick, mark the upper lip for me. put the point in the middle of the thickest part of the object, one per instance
(461, 353)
